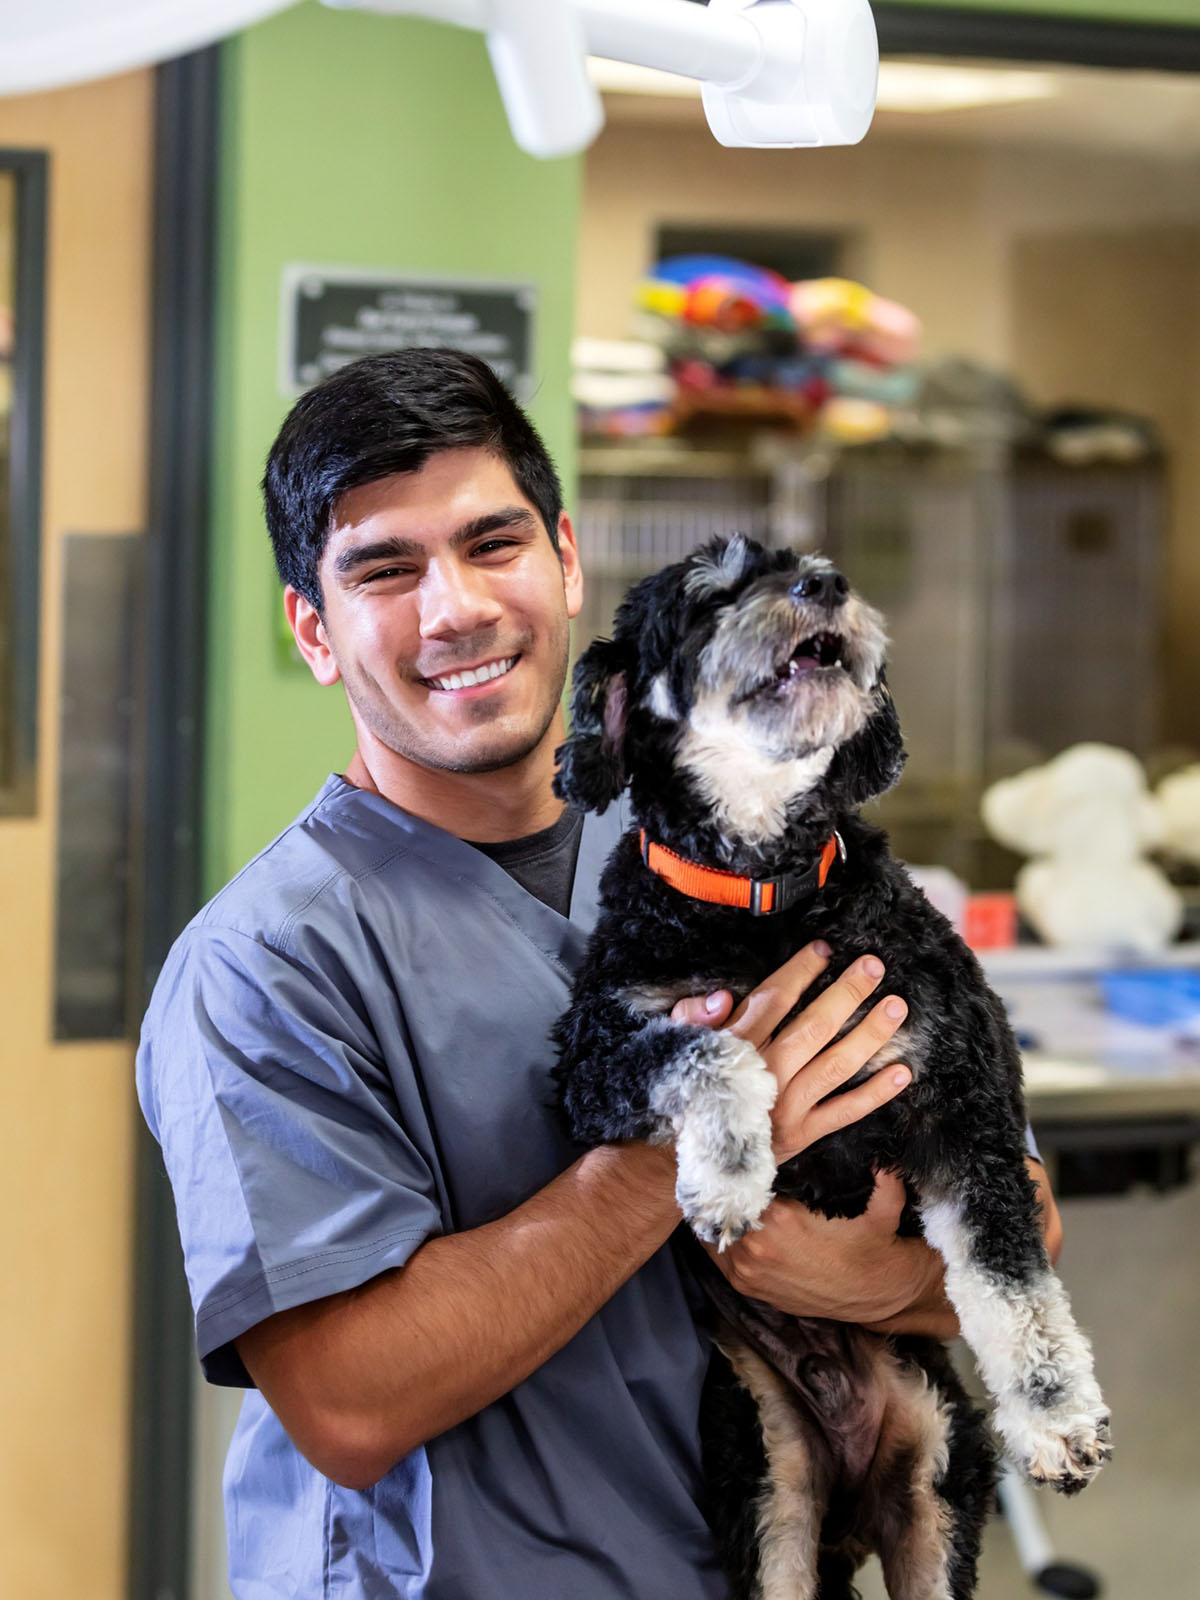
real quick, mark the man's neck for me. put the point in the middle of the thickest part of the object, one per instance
(486, 807)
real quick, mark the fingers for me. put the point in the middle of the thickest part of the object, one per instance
(807, 1108)
(888, 1199)
(765, 1007)
(809, 1033)
(703, 1010)
(793, 1133)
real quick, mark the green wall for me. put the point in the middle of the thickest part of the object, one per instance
(1178, 11)
(361, 141)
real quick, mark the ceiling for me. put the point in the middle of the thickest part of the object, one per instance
(1149, 112)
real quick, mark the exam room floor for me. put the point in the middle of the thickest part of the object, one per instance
(1132, 1268)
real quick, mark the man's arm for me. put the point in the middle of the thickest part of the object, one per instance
(859, 1269)
(359, 1379)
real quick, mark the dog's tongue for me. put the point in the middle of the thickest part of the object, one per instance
(799, 664)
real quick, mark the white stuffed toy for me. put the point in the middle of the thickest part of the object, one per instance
(1179, 799)
(1086, 817)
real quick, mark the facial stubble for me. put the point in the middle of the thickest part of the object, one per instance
(375, 711)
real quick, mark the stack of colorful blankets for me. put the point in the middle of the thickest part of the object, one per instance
(736, 340)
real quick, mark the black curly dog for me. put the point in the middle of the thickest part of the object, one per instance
(742, 701)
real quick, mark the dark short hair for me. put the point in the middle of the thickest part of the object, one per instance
(384, 414)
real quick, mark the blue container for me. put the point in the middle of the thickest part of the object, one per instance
(1161, 997)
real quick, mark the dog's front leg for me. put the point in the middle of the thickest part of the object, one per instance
(627, 1075)
(712, 1093)
(1015, 1316)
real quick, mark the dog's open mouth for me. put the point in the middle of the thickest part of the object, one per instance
(819, 652)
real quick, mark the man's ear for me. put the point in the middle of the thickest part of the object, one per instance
(591, 768)
(871, 763)
(311, 639)
(568, 555)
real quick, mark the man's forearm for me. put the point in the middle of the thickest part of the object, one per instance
(361, 1378)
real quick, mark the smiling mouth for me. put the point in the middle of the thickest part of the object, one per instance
(487, 673)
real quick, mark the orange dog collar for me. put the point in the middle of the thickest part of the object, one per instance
(759, 896)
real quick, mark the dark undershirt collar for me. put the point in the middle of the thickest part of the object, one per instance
(543, 863)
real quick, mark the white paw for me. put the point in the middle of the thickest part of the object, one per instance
(720, 1103)
(721, 1202)
(1064, 1447)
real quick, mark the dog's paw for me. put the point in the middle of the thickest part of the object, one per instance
(721, 1207)
(1065, 1447)
(720, 1112)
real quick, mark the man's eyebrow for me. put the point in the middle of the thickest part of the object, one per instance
(493, 522)
(398, 549)
(378, 550)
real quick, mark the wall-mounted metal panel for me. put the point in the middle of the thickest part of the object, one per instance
(99, 777)
(22, 299)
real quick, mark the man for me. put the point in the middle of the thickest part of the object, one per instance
(474, 1368)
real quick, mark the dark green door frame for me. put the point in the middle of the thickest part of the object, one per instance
(181, 431)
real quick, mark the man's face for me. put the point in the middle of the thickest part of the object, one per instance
(446, 612)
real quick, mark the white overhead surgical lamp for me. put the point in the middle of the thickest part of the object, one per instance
(774, 74)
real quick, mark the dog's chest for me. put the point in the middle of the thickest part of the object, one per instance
(740, 965)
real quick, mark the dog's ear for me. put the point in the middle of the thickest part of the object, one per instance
(591, 768)
(871, 763)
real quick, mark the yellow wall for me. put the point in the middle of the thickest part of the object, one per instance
(67, 1110)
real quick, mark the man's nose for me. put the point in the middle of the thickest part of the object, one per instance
(456, 599)
(826, 588)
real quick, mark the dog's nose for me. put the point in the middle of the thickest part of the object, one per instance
(826, 588)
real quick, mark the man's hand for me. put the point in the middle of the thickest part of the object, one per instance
(848, 1269)
(857, 1269)
(802, 1054)
(853, 1269)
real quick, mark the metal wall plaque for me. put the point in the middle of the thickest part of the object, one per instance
(332, 316)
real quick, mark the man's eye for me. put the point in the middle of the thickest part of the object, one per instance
(489, 546)
(387, 572)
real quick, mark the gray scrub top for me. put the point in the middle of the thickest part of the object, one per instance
(346, 1053)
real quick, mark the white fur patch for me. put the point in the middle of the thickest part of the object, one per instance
(900, 1047)
(661, 701)
(908, 1045)
(716, 1098)
(746, 789)
(657, 999)
(711, 574)
(1026, 1343)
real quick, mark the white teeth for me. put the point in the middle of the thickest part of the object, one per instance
(484, 674)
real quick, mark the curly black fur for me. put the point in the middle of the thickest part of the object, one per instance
(956, 1135)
